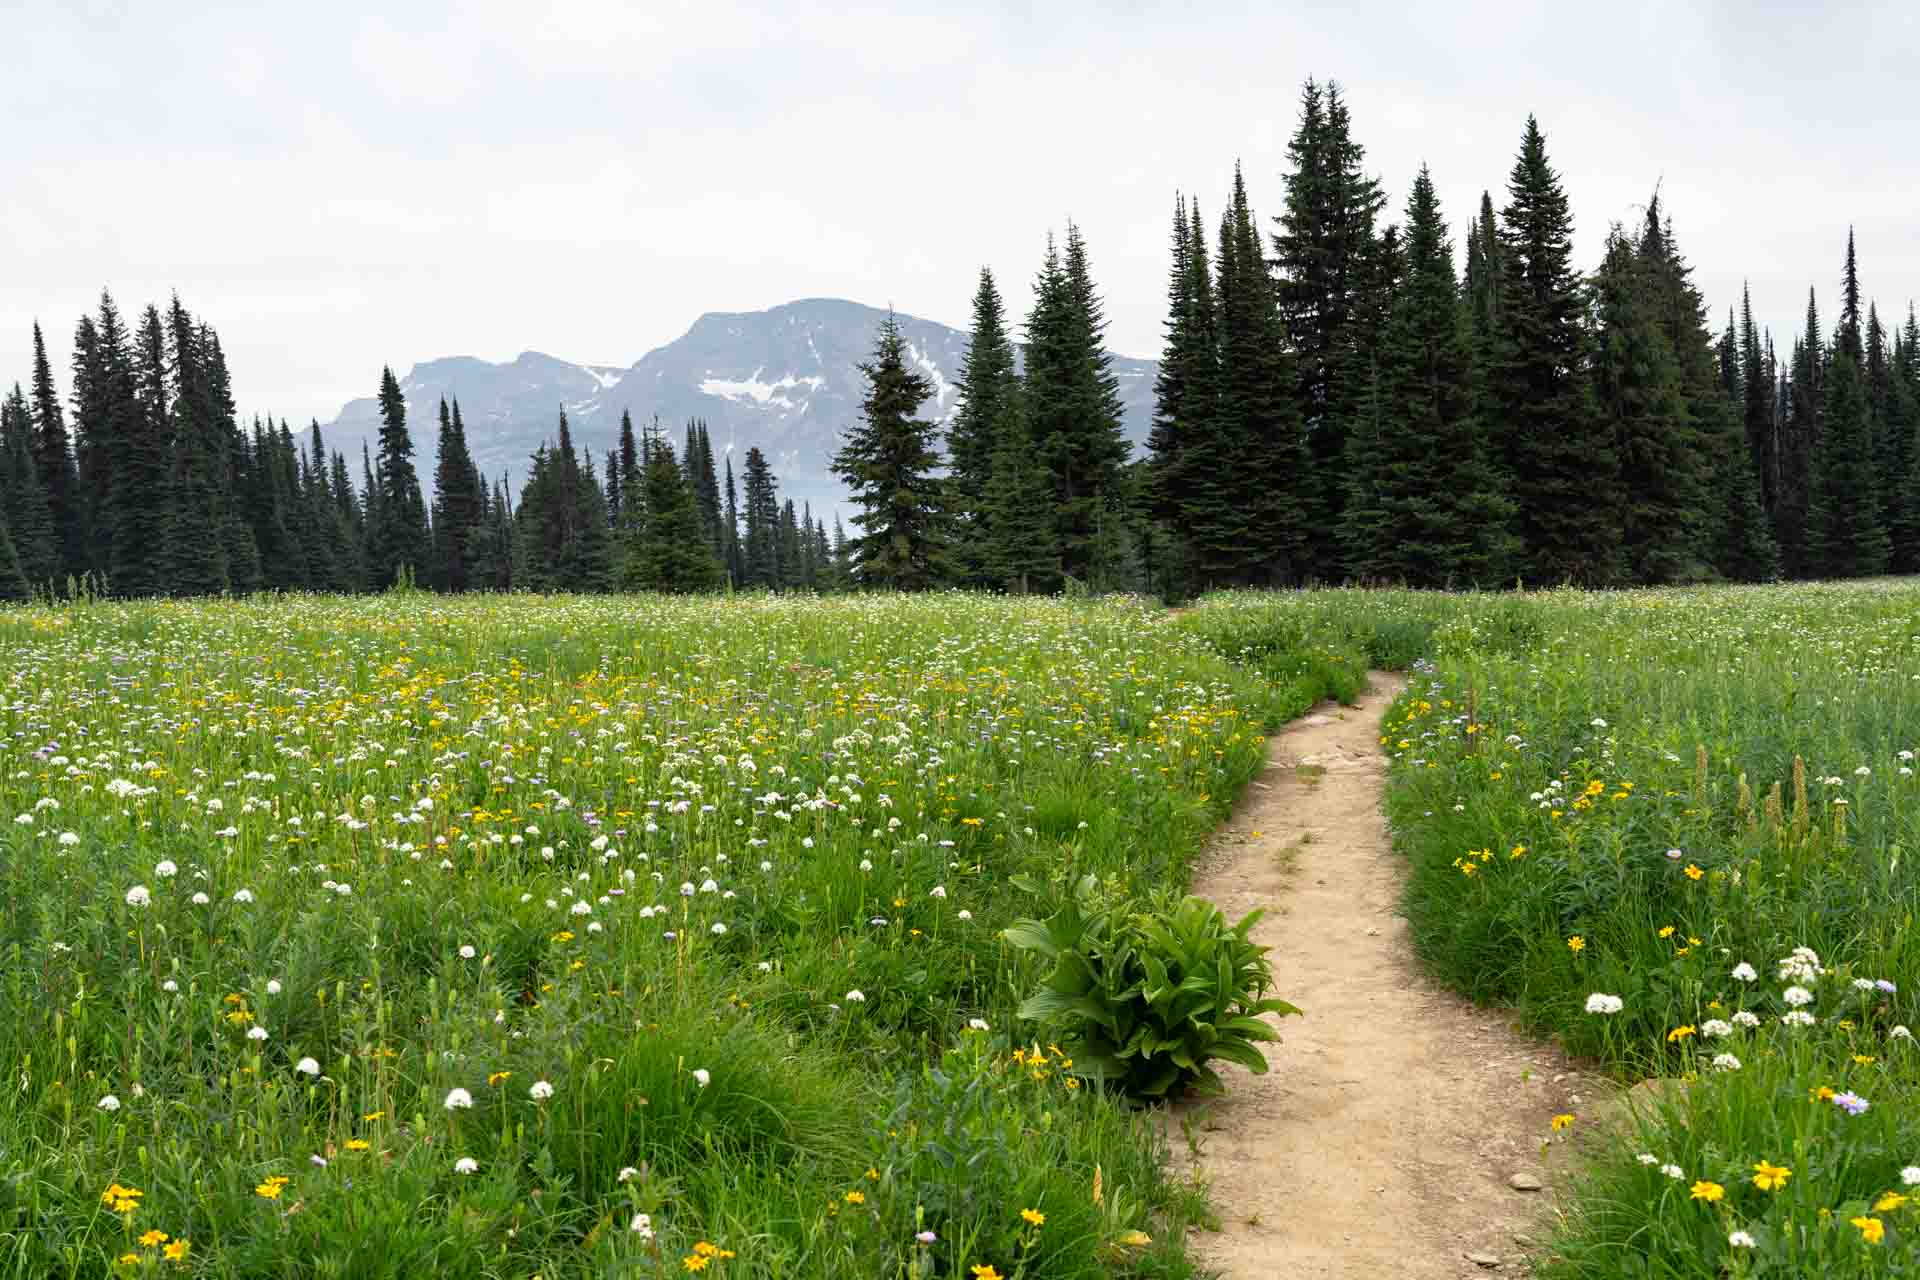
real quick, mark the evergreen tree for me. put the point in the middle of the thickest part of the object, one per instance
(989, 386)
(136, 455)
(1424, 506)
(458, 499)
(1335, 271)
(734, 561)
(1072, 399)
(1183, 397)
(1637, 386)
(1845, 536)
(1800, 436)
(1903, 422)
(200, 474)
(53, 454)
(888, 460)
(760, 550)
(397, 539)
(1021, 553)
(13, 579)
(593, 560)
(29, 519)
(241, 552)
(704, 481)
(1566, 472)
(1249, 523)
(668, 549)
(1756, 409)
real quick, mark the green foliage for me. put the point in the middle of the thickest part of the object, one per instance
(1660, 796)
(1146, 1000)
(888, 462)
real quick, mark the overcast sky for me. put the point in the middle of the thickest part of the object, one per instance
(337, 190)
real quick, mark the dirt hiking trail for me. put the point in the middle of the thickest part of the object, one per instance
(1398, 1133)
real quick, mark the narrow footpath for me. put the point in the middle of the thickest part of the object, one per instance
(1399, 1131)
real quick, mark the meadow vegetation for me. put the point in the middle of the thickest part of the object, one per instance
(584, 936)
(1676, 831)
(633, 936)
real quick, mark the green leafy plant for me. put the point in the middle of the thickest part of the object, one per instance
(1145, 1001)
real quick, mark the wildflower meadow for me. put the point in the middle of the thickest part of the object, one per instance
(1676, 831)
(583, 937)
(558, 936)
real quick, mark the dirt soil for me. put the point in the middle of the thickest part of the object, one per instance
(1388, 1137)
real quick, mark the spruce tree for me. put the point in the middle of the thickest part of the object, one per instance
(760, 550)
(13, 579)
(29, 519)
(138, 459)
(53, 454)
(1335, 272)
(667, 550)
(239, 550)
(1756, 409)
(1799, 437)
(1903, 421)
(1182, 391)
(1637, 386)
(1565, 468)
(199, 474)
(457, 501)
(397, 539)
(1072, 399)
(1250, 523)
(989, 386)
(1021, 554)
(1425, 507)
(888, 461)
(593, 564)
(1845, 536)
(734, 561)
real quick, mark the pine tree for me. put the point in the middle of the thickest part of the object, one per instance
(458, 498)
(734, 561)
(1183, 409)
(1903, 421)
(1072, 400)
(668, 550)
(199, 472)
(239, 549)
(1713, 458)
(1334, 275)
(1251, 523)
(29, 519)
(1799, 439)
(989, 387)
(1021, 554)
(13, 579)
(53, 454)
(131, 454)
(1845, 536)
(1566, 472)
(1424, 506)
(888, 460)
(1756, 409)
(760, 550)
(1637, 386)
(397, 537)
(593, 562)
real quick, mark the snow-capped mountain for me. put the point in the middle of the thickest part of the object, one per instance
(785, 379)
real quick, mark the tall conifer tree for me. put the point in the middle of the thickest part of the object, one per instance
(888, 460)
(1566, 471)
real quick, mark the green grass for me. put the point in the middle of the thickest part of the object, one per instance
(1584, 787)
(617, 847)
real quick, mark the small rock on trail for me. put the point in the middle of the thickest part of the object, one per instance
(1382, 1139)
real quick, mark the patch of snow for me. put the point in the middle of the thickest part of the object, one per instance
(764, 394)
(608, 380)
(941, 387)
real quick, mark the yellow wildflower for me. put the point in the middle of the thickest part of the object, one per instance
(1770, 1177)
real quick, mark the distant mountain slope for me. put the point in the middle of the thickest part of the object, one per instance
(784, 379)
